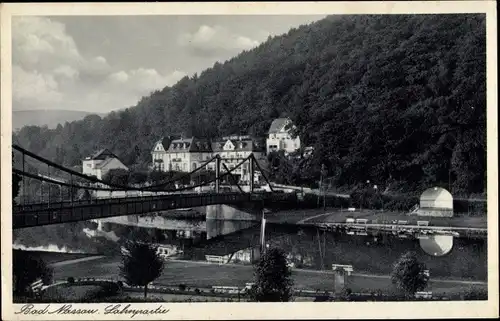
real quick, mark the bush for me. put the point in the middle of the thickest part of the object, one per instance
(197, 291)
(346, 294)
(476, 294)
(71, 280)
(408, 274)
(321, 298)
(182, 287)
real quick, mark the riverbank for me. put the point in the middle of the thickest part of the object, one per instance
(335, 215)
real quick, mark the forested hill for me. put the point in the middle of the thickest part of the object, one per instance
(387, 98)
(50, 118)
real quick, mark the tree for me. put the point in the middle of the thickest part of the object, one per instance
(273, 281)
(16, 184)
(27, 269)
(141, 264)
(117, 176)
(158, 176)
(138, 177)
(408, 274)
(16, 181)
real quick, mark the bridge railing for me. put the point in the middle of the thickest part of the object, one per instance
(127, 206)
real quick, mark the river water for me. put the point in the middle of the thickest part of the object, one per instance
(239, 242)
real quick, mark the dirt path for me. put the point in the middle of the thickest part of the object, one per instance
(75, 261)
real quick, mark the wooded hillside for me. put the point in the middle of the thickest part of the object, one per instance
(399, 100)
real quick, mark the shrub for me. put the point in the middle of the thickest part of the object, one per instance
(182, 287)
(71, 280)
(141, 264)
(408, 274)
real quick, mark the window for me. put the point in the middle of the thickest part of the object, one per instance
(284, 145)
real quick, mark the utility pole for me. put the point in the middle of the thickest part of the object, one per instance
(217, 174)
(263, 231)
(324, 172)
(23, 182)
(251, 170)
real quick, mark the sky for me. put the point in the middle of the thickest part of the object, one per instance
(104, 63)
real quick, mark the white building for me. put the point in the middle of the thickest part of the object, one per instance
(186, 154)
(280, 138)
(436, 201)
(234, 149)
(181, 154)
(100, 163)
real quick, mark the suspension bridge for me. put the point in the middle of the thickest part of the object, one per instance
(51, 193)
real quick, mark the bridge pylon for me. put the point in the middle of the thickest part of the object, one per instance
(251, 169)
(217, 174)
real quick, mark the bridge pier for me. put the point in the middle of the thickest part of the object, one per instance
(226, 212)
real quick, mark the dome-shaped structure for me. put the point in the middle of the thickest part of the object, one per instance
(437, 245)
(436, 201)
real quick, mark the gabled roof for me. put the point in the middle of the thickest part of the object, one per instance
(103, 154)
(180, 145)
(106, 162)
(199, 145)
(278, 124)
(165, 142)
(240, 145)
(191, 145)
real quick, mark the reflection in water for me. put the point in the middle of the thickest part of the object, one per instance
(239, 242)
(222, 227)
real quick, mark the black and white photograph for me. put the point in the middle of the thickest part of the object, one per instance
(247, 158)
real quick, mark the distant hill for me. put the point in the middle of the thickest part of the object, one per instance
(397, 100)
(50, 118)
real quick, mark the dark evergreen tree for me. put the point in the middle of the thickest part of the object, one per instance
(408, 274)
(141, 264)
(273, 281)
(26, 269)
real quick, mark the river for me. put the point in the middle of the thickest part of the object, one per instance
(239, 242)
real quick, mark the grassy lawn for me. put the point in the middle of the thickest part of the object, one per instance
(194, 275)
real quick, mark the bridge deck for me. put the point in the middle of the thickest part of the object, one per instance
(64, 212)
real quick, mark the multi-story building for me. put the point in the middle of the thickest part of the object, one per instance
(187, 154)
(100, 163)
(280, 138)
(180, 154)
(234, 149)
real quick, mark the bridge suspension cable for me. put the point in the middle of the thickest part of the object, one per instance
(116, 187)
(173, 180)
